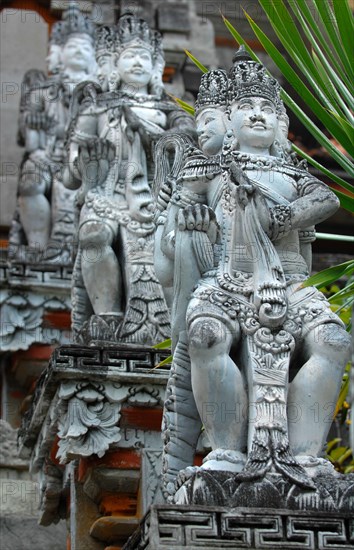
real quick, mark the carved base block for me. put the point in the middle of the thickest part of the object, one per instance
(196, 527)
(331, 492)
(95, 418)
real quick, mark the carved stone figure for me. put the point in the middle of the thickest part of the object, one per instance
(255, 352)
(45, 208)
(116, 294)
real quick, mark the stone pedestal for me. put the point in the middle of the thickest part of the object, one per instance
(92, 434)
(195, 527)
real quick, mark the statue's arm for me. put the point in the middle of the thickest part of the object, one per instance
(315, 204)
(82, 132)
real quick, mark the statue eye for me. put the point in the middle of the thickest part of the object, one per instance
(268, 109)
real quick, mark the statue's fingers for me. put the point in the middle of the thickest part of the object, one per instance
(198, 218)
(243, 195)
(181, 221)
(190, 218)
(212, 232)
(206, 219)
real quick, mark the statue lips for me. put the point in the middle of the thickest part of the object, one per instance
(259, 126)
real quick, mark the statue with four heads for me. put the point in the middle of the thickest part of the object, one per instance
(254, 351)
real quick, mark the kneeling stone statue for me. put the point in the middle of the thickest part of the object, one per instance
(255, 352)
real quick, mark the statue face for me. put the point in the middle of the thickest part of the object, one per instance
(211, 129)
(254, 122)
(105, 66)
(53, 58)
(135, 66)
(78, 54)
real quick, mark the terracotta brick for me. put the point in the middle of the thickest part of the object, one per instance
(145, 418)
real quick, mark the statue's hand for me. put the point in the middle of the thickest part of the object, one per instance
(244, 188)
(94, 160)
(198, 217)
(131, 118)
(39, 121)
(245, 191)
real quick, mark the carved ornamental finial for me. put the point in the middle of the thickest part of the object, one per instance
(213, 90)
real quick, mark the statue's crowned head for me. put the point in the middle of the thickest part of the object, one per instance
(130, 53)
(256, 109)
(210, 108)
(71, 44)
(250, 79)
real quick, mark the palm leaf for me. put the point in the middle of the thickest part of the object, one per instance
(329, 122)
(330, 275)
(196, 62)
(185, 106)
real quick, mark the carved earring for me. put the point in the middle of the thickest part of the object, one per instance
(113, 81)
(230, 140)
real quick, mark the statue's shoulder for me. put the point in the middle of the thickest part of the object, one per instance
(85, 98)
(197, 165)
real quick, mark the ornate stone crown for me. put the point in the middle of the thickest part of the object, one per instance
(249, 78)
(129, 31)
(106, 40)
(74, 22)
(56, 34)
(133, 31)
(213, 90)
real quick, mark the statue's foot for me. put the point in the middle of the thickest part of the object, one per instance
(224, 460)
(314, 464)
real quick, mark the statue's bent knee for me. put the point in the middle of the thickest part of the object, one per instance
(332, 342)
(95, 233)
(206, 333)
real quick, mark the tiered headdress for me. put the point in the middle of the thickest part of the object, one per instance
(129, 31)
(73, 22)
(106, 40)
(213, 90)
(249, 78)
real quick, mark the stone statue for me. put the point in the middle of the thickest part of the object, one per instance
(45, 209)
(116, 295)
(258, 358)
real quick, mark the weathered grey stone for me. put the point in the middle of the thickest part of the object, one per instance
(254, 350)
(173, 17)
(112, 133)
(22, 319)
(80, 398)
(194, 527)
(45, 208)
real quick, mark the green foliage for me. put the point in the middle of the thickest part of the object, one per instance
(323, 74)
(166, 344)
